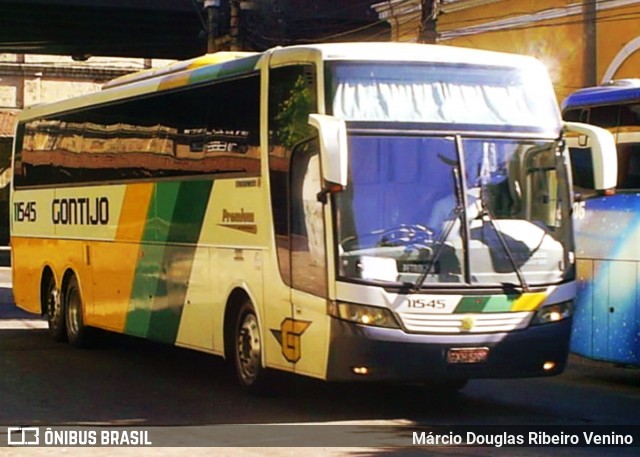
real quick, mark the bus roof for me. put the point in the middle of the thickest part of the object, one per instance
(615, 92)
(173, 76)
(176, 67)
(222, 65)
(409, 52)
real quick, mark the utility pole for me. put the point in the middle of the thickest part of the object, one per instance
(589, 12)
(212, 8)
(427, 33)
(234, 24)
(223, 23)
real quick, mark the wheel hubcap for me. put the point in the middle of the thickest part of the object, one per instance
(248, 349)
(53, 307)
(74, 312)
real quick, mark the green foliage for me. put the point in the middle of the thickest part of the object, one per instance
(293, 116)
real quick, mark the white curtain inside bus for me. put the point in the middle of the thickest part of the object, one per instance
(442, 94)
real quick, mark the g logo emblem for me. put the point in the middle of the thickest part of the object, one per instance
(289, 337)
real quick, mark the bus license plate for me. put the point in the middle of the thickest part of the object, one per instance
(467, 355)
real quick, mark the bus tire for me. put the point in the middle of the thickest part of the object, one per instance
(247, 351)
(54, 308)
(77, 333)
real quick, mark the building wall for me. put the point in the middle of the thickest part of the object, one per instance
(555, 31)
(32, 79)
(27, 80)
(403, 16)
(619, 42)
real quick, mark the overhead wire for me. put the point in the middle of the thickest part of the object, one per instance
(198, 5)
(599, 19)
(516, 13)
(602, 17)
(258, 33)
(526, 26)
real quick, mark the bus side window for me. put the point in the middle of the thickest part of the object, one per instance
(292, 97)
(607, 117)
(308, 262)
(628, 144)
(576, 115)
(581, 167)
(628, 166)
(604, 116)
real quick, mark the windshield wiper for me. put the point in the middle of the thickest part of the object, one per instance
(485, 215)
(457, 212)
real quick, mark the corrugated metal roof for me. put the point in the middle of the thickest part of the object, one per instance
(8, 121)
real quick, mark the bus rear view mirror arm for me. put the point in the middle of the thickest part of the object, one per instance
(603, 153)
(332, 133)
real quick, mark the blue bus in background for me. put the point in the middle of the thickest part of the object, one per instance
(607, 319)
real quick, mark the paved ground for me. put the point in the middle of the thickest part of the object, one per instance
(5, 277)
(13, 317)
(173, 388)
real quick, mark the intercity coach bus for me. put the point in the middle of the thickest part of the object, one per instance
(607, 317)
(389, 212)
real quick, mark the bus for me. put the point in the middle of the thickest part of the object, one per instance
(347, 212)
(607, 319)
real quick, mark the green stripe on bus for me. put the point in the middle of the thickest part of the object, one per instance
(188, 215)
(160, 286)
(166, 198)
(499, 304)
(471, 305)
(145, 289)
(486, 304)
(186, 224)
(224, 70)
(145, 281)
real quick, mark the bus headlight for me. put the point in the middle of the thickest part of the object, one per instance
(363, 314)
(553, 313)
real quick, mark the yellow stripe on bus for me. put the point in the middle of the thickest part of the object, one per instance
(133, 216)
(529, 301)
(118, 259)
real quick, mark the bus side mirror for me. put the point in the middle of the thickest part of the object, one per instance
(603, 153)
(333, 150)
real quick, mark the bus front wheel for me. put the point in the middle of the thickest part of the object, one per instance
(248, 351)
(77, 333)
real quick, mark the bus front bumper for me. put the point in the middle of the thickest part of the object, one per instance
(359, 353)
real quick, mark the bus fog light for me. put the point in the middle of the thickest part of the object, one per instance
(548, 366)
(362, 314)
(360, 370)
(553, 313)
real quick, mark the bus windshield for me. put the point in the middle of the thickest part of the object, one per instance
(407, 216)
(503, 97)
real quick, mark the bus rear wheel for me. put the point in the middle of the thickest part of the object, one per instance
(251, 375)
(55, 311)
(77, 333)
